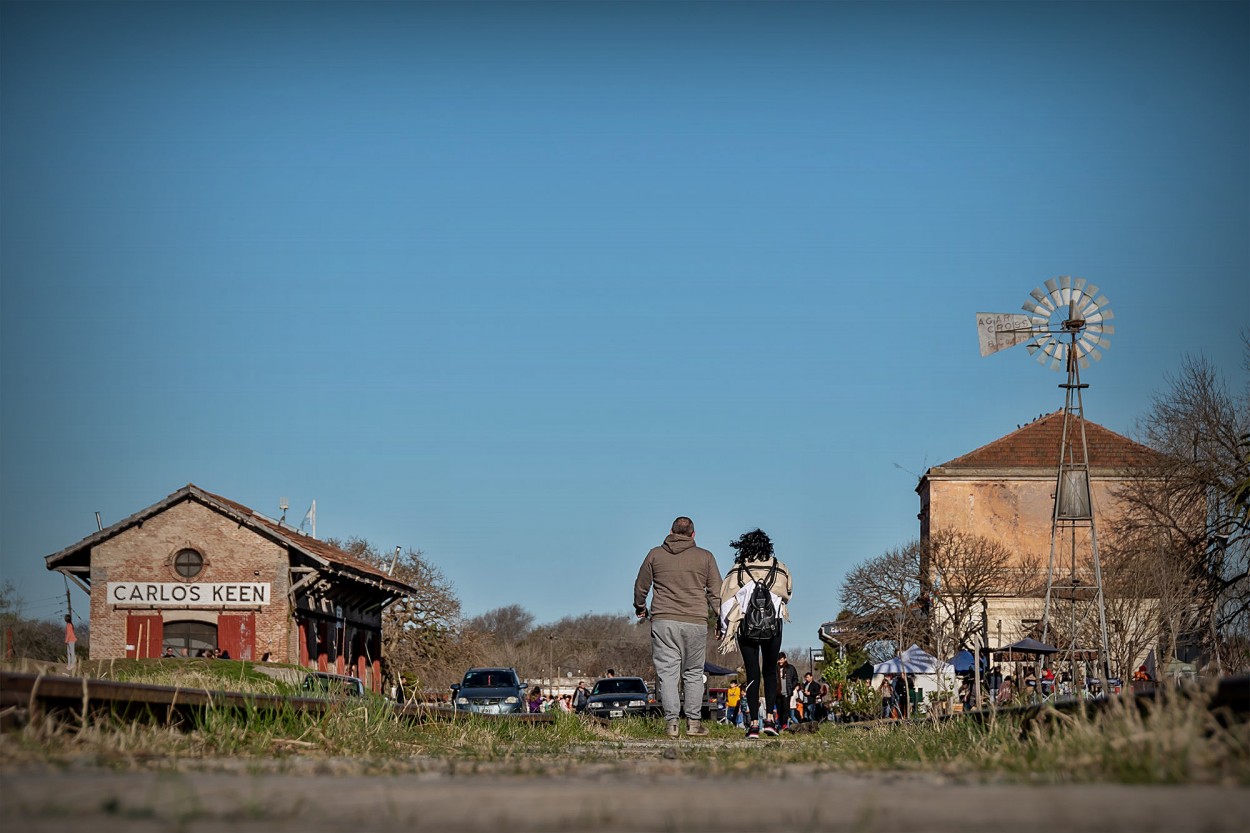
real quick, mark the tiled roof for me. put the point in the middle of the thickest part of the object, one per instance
(1036, 445)
(304, 542)
(246, 515)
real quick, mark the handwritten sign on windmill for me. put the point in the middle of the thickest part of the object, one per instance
(1000, 330)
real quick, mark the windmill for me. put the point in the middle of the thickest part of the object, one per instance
(1065, 326)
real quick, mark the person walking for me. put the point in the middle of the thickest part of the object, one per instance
(580, 697)
(733, 697)
(886, 689)
(71, 644)
(811, 698)
(684, 583)
(787, 680)
(901, 695)
(744, 623)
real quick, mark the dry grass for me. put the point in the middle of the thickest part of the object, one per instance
(1179, 743)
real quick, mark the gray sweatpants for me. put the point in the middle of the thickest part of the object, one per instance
(678, 650)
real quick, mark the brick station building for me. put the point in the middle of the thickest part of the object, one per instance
(198, 571)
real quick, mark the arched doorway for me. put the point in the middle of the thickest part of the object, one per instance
(189, 638)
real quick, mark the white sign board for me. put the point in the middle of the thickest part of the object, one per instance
(202, 594)
(999, 330)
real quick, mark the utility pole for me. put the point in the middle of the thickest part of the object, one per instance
(982, 652)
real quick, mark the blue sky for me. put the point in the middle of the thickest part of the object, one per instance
(517, 284)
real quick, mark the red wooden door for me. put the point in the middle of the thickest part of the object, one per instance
(236, 633)
(144, 635)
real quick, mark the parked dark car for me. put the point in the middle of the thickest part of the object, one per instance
(490, 691)
(323, 683)
(621, 697)
(713, 702)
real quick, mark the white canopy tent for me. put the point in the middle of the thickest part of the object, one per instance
(924, 671)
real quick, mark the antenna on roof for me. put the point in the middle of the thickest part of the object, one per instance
(393, 560)
(284, 505)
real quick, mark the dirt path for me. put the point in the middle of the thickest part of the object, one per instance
(653, 798)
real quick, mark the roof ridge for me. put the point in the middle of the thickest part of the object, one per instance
(1019, 429)
(312, 546)
(316, 545)
(1037, 445)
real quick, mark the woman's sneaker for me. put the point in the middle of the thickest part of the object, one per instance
(753, 731)
(769, 729)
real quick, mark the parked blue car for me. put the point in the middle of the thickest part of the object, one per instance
(489, 691)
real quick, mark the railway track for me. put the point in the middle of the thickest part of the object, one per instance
(25, 696)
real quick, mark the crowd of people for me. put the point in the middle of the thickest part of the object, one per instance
(203, 653)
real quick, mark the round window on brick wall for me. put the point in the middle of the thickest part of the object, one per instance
(188, 563)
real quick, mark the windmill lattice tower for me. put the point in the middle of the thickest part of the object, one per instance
(1065, 327)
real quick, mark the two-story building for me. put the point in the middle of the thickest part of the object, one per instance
(1005, 491)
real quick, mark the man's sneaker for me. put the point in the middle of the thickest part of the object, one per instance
(753, 731)
(695, 728)
(769, 729)
(670, 728)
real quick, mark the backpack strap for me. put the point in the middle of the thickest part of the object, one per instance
(769, 579)
(772, 575)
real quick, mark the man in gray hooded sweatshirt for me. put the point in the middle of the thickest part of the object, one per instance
(686, 583)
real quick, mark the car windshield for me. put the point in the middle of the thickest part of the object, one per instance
(620, 685)
(488, 679)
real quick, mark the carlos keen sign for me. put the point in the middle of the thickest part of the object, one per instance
(204, 594)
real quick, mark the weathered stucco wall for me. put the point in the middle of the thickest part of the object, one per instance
(1016, 512)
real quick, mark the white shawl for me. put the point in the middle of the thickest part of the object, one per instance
(731, 612)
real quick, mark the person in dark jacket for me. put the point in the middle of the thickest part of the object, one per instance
(812, 705)
(900, 695)
(684, 583)
(580, 697)
(787, 682)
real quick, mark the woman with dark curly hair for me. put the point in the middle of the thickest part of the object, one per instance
(755, 565)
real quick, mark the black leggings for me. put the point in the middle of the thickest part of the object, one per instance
(755, 669)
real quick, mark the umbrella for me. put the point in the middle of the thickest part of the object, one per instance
(962, 662)
(1028, 646)
(714, 670)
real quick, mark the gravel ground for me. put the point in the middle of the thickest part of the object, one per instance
(655, 796)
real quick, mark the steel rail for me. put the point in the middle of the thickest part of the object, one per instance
(23, 695)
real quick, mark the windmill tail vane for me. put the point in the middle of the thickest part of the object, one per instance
(1066, 319)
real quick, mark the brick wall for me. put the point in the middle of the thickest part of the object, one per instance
(232, 553)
